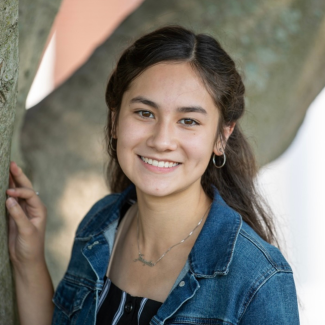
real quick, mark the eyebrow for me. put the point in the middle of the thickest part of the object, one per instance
(185, 109)
(192, 109)
(145, 101)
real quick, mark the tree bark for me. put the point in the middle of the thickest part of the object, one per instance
(278, 45)
(35, 22)
(8, 97)
(36, 18)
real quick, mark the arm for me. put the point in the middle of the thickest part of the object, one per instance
(275, 303)
(27, 217)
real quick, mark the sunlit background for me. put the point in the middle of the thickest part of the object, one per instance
(293, 184)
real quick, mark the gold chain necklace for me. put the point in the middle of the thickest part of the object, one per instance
(140, 257)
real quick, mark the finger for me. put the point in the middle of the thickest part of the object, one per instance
(12, 187)
(30, 204)
(27, 194)
(16, 212)
(19, 177)
(11, 181)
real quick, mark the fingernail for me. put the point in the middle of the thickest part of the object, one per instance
(11, 202)
(11, 189)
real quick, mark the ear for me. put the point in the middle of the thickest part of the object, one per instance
(220, 144)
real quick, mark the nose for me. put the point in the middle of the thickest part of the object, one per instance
(163, 137)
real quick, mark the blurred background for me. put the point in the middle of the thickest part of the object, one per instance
(262, 37)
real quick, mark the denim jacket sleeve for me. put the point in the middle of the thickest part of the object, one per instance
(273, 303)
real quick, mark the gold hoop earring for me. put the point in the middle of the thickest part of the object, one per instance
(214, 160)
(111, 144)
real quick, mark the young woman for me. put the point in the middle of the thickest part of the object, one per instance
(184, 239)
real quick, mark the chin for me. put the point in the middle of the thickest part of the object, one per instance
(157, 190)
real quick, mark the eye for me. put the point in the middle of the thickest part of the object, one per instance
(188, 122)
(145, 114)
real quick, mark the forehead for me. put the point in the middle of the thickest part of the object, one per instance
(170, 83)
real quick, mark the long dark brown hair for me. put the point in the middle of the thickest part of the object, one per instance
(236, 180)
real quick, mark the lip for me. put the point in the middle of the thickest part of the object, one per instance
(161, 170)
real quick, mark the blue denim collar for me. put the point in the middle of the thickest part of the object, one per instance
(213, 250)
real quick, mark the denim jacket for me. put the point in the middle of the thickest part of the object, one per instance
(231, 277)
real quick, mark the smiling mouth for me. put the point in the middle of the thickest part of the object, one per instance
(159, 163)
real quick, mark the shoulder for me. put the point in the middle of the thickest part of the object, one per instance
(255, 261)
(263, 277)
(239, 242)
(250, 244)
(259, 284)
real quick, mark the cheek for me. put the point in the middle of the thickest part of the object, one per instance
(127, 133)
(199, 148)
(129, 138)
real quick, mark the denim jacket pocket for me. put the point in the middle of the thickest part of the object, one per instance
(69, 297)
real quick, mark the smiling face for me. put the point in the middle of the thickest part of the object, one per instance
(166, 130)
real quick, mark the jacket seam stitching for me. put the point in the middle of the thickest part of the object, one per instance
(70, 278)
(86, 318)
(261, 248)
(189, 319)
(75, 309)
(234, 241)
(247, 304)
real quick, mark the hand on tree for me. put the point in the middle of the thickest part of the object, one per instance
(27, 218)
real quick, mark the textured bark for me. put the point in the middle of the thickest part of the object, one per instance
(8, 96)
(35, 22)
(278, 45)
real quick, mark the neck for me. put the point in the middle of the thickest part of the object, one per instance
(164, 221)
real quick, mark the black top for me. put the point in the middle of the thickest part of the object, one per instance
(118, 307)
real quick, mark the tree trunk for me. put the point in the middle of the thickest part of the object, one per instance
(35, 22)
(8, 97)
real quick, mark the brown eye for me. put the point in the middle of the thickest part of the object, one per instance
(188, 122)
(145, 114)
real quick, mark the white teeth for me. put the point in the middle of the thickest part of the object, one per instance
(165, 164)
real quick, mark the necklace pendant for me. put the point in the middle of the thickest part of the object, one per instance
(144, 261)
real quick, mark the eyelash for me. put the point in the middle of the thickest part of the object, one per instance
(143, 111)
(187, 119)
